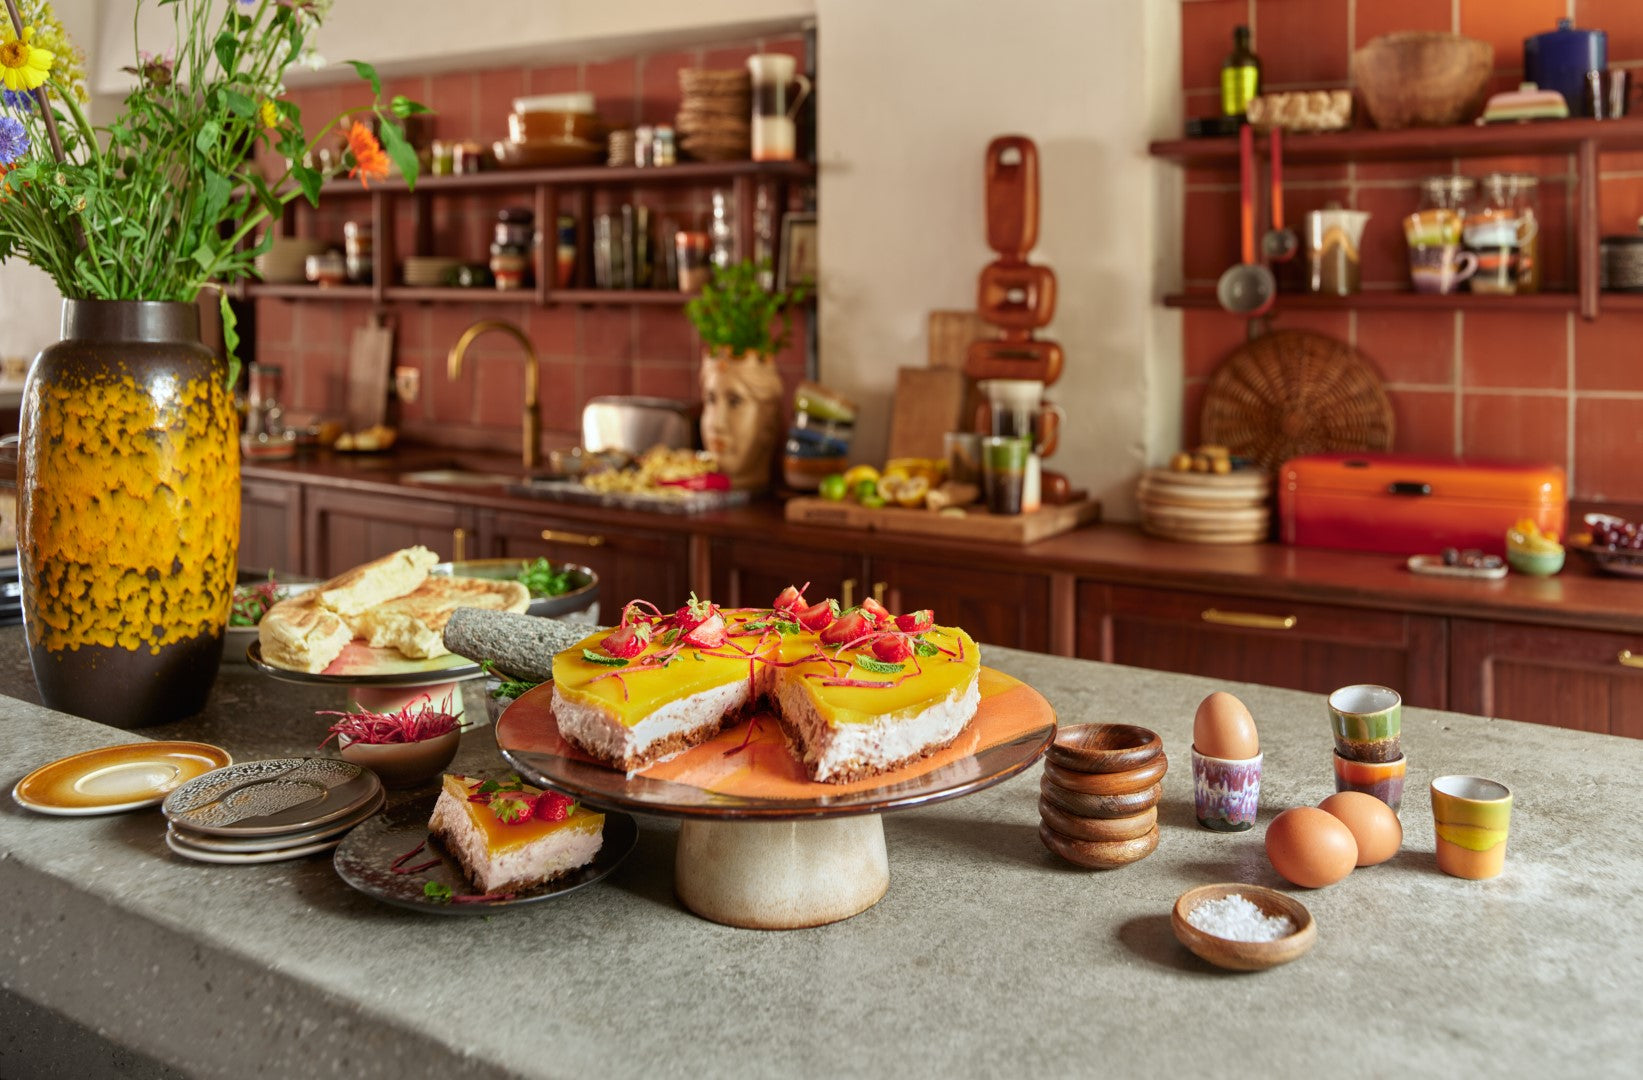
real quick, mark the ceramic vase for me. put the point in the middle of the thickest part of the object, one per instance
(129, 513)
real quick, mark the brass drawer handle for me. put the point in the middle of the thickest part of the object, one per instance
(1630, 659)
(459, 545)
(848, 588)
(878, 591)
(556, 536)
(1250, 619)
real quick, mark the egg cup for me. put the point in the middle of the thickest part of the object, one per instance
(1367, 721)
(1382, 779)
(1471, 816)
(1225, 794)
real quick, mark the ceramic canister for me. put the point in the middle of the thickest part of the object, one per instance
(1471, 816)
(1367, 721)
(1382, 779)
(1225, 794)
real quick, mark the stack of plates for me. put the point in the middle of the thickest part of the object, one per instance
(715, 120)
(269, 811)
(429, 271)
(1205, 508)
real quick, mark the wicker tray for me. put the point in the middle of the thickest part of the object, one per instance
(1292, 392)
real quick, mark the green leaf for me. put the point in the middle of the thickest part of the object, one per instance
(238, 103)
(600, 658)
(402, 153)
(878, 667)
(439, 894)
(227, 48)
(230, 339)
(205, 255)
(210, 134)
(309, 180)
(924, 648)
(369, 74)
(402, 106)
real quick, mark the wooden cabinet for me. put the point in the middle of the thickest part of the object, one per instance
(1311, 647)
(997, 607)
(270, 527)
(1583, 679)
(631, 563)
(345, 528)
(750, 574)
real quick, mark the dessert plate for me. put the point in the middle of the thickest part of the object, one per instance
(113, 779)
(245, 858)
(302, 837)
(360, 665)
(739, 774)
(367, 856)
(272, 798)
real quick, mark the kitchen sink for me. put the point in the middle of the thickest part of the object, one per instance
(459, 478)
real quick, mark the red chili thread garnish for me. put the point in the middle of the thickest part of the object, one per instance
(483, 897)
(401, 860)
(403, 726)
(417, 869)
(858, 684)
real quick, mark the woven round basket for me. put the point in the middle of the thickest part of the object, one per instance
(1292, 392)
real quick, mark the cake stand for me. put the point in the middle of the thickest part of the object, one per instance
(795, 854)
(380, 680)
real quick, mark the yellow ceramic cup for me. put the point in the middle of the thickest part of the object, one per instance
(1471, 816)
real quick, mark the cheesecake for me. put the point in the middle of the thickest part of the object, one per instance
(857, 693)
(508, 836)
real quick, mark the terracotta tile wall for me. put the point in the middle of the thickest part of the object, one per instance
(584, 350)
(1513, 385)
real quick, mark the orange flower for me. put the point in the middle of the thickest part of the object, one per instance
(369, 160)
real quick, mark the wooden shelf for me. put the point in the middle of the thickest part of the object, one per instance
(687, 172)
(1398, 300)
(1543, 138)
(255, 289)
(455, 295)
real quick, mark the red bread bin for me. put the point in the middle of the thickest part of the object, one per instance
(1413, 505)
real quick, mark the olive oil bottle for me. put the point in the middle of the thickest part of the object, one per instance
(1240, 75)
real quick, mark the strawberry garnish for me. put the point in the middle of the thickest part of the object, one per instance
(846, 629)
(818, 617)
(693, 614)
(707, 634)
(627, 641)
(552, 806)
(877, 612)
(791, 599)
(893, 648)
(916, 622)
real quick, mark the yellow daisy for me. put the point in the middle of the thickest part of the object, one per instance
(270, 114)
(23, 66)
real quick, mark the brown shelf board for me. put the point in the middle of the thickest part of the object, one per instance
(616, 296)
(257, 289)
(1412, 301)
(1547, 137)
(685, 172)
(454, 295)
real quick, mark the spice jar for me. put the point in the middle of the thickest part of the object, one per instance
(265, 436)
(665, 149)
(358, 244)
(692, 249)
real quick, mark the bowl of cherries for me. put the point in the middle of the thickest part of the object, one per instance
(1614, 544)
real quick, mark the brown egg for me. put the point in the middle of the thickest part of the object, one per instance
(1223, 728)
(1375, 826)
(1310, 847)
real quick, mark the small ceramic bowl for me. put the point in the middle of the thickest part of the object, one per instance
(1244, 955)
(1382, 779)
(1535, 563)
(403, 765)
(1104, 748)
(1226, 793)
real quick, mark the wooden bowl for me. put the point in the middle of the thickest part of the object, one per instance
(1079, 804)
(1244, 955)
(1103, 830)
(1127, 782)
(1099, 854)
(1423, 78)
(1104, 748)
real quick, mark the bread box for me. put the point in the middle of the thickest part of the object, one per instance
(1413, 505)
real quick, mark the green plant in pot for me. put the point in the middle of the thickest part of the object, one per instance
(128, 468)
(743, 326)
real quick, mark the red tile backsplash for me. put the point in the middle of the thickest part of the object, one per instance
(1379, 17)
(1608, 447)
(1521, 349)
(1619, 19)
(1302, 41)
(1505, 23)
(1515, 427)
(1206, 39)
(1417, 347)
(1423, 422)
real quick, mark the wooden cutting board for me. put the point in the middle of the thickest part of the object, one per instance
(369, 361)
(929, 403)
(976, 524)
(951, 334)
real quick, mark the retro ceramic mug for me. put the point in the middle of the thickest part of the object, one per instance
(1440, 268)
(1382, 779)
(1471, 816)
(1367, 721)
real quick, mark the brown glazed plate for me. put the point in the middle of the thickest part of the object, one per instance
(113, 779)
(272, 797)
(367, 855)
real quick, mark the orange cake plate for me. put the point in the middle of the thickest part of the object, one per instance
(762, 845)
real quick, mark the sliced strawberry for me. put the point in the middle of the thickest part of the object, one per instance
(846, 629)
(627, 641)
(552, 806)
(893, 648)
(875, 611)
(818, 617)
(707, 634)
(916, 622)
(791, 599)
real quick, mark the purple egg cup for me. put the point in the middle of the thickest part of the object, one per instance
(1225, 793)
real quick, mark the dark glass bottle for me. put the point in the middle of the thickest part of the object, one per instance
(1240, 75)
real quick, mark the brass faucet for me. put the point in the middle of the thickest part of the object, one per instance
(531, 422)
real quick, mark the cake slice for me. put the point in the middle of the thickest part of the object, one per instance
(378, 581)
(508, 836)
(415, 623)
(299, 635)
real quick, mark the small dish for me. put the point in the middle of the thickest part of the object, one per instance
(1534, 563)
(1099, 854)
(302, 837)
(114, 779)
(1126, 782)
(403, 765)
(1104, 748)
(245, 858)
(237, 639)
(1618, 563)
(1244, 955)
(272, 797)
(1434, 565)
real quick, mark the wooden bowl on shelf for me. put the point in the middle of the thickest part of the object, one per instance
(1244, 955)
(1422, 78)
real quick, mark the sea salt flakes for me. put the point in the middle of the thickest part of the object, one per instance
(1236, 919)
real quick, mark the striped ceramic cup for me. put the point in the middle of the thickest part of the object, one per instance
(1367, 721)
(1471, 816)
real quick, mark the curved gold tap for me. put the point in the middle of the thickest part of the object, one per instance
(531, 422)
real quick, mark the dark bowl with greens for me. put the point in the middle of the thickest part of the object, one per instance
(556, 588)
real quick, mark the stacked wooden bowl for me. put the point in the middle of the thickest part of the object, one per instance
(1205, 508)
(715, 119)
(1098, 801)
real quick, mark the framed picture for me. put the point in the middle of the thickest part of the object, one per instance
(798, 252)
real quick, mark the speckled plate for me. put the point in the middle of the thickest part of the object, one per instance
(113, 779)
(245, 858)
(231, 845)
(367, 855)
(271, 798)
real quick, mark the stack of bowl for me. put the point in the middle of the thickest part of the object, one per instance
(269, 811)
(1098, 802)
(552, 130)
(715, 119)
(1368, 725)
(286, 260)
(429, 271)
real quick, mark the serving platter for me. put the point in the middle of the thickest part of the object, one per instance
(360, 665)
(366, 857)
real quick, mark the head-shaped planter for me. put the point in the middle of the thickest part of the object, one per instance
(741, 416)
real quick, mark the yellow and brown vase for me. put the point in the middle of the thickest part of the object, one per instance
(129, 513)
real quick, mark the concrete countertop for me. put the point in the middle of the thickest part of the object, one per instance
(987, 957)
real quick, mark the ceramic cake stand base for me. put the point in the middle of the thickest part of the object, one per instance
(781, 875)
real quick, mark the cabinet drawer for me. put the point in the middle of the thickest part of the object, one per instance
(750, 574)
(347, 528)
(1585, 679)
(632, 564)
(1302, 646)
(996, 607)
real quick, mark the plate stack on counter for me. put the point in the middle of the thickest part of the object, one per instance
(269, 811)
(1210, 507)
(715, 119)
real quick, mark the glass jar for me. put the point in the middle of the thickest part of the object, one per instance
(1505, 224)
(722, 229)
(265, 435)
(358, 244)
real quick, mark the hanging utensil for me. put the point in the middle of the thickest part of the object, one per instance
(1279, 244)
(1248, 288)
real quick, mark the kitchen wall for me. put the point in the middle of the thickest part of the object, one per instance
(1512, 385)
